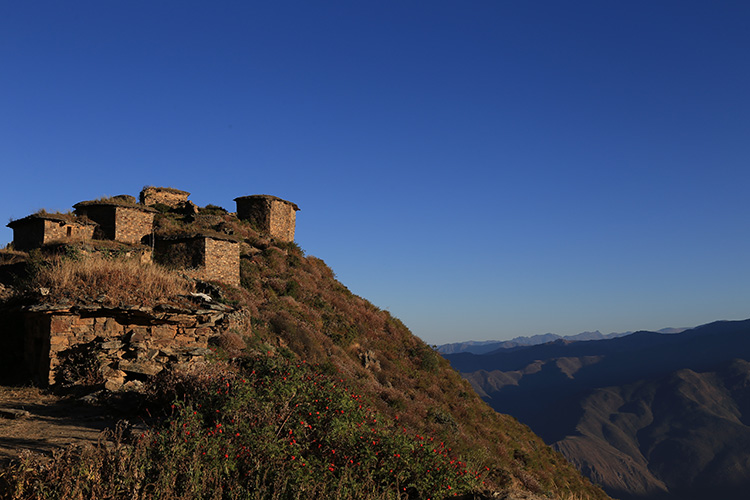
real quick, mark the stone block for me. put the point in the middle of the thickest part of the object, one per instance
(132, 385)
(161, 343)
(139, 334)
(114, 384)
(164, 331)
(184, 339)
(60, 324)
(112, 345)
(107, 326)
(140, 367)
(59, 340)
(81, 333)
(83, 322)
(109, 372)
(183, 319)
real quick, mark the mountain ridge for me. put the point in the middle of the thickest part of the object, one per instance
(487, 346)
(624, 406)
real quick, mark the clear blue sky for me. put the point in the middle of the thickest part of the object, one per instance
(482, 169)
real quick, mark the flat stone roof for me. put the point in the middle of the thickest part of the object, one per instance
(267, 197)
(51, 217)
(166, 189)
(199, 235)
(113, 203)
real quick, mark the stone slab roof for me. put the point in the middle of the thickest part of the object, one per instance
(67, 219)
(113, 202)
(165, 189)
(267, 197)
(198, 235)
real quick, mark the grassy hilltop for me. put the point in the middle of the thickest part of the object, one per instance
(318, 393)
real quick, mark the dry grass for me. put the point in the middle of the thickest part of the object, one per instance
(125, 281)
(67, 215)
(9, 256)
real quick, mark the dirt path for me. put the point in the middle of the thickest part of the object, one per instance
(51, 422)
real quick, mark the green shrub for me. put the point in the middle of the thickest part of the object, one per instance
(213, 210)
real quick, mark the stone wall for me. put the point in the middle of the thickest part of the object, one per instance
(103, 215)
(213, 259)
(222, 261)
(166, 196)
(282, 220)
(132, 224)
(120, 345)
(65, 231)
(124, 223)
(28, 234)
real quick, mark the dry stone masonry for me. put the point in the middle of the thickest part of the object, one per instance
(221, 260)
(118, 345)
(36, 230)
(174, 198)
(215, 258)
(127, 223)
(123, 344)
(121, 218)
(269, 214)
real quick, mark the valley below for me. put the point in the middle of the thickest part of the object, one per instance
(648, 416)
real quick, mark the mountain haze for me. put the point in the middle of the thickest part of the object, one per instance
(486, 346)
(647, 415)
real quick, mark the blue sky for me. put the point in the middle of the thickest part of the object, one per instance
(481, 169)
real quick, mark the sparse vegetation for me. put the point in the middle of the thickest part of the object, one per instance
(68, 215)
(120, 280)
(119, 200)
(213, 210)
(10, 256)
(327, 395)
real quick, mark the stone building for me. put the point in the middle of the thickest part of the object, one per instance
(171, 197)
(39, 229)
(269, 214)
(214, 257)
(119, 218)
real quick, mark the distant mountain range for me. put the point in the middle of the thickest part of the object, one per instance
(487, 346)
(646, 415)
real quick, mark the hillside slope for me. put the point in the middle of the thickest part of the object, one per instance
(296, 309)
(686, 433)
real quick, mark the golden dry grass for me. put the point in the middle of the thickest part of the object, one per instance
(9, 256)
(126, 281)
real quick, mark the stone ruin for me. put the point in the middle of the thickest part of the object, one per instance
(215, 258)
(122, 346)
(170, 197)
(269, 214)
(126, 344)
(36, 230)
(117, 220)
(121, 218)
